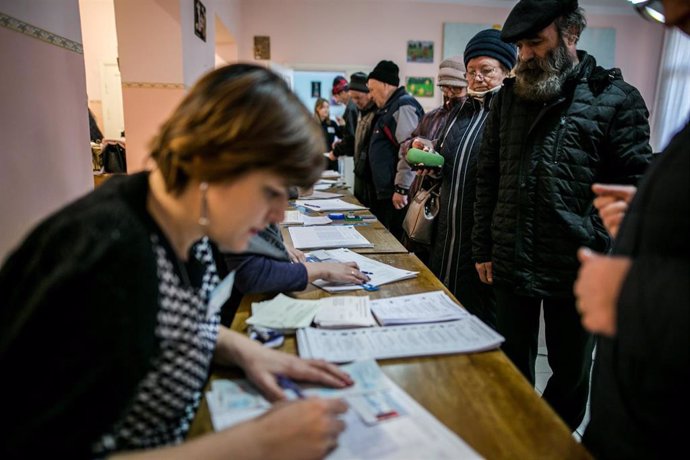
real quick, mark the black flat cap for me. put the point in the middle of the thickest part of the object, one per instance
(529, 17)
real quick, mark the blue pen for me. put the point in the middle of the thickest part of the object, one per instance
(367, 273)
(287, 384)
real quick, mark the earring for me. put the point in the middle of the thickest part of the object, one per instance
(203, 213)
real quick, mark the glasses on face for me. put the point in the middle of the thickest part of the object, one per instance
(486, 72)
(651, 10)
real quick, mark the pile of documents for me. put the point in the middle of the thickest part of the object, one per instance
(335, 204)
(283, 313)
(344, 312)
(296, 217)
(383, 422)
(342, 236)
(320, 195)
(286, 314)
(427, 307)
(467, 335)
(378, 272)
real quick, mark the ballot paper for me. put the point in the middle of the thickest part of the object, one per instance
(378, 272)
(334, 204)
(283, 313)
(466, 335)
(426, 307)
(319, 195)
(342, 236)
(298, 218)
(344, 312)
(330, 174)
(382, 422)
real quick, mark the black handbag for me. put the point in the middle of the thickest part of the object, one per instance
(114, 158)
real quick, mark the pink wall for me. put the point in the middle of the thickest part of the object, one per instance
(160, 58)
(360, 33)
(46, 159)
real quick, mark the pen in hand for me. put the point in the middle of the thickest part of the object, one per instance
(287, 384)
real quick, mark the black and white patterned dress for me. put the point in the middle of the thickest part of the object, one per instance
(167, 398)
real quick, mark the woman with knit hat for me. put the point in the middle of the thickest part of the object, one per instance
(453, 85)
(488, 61)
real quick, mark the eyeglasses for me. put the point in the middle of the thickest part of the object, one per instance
(486, 72)
(651, 10)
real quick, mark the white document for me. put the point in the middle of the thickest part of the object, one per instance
(330, 174)
(378, 272)
(342, 236)
(315, 220)
(296, 217)
(344, 312)
(383, 421)
(293, 217)
(320, 186)
(426, 307)
(335, 204)
(462, 336)
(283, 313)
(319, 195)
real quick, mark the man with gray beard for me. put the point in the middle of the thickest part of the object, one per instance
(560, 125)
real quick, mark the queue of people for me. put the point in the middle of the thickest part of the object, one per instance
(548, 202)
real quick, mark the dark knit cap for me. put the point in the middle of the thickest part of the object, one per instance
(488, 43)
(358, 82)
(529, 17)
(386, 72)
(339, 85)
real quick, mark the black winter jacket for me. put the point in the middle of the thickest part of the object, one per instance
(537, 163)
(394, 124)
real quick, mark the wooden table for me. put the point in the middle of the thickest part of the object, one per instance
(480, 396)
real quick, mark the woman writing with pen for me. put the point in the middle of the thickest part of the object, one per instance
(110, 318)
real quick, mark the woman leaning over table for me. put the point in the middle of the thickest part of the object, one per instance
(110, 318)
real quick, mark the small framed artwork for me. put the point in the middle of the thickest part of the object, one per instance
(262, 47)
(316, 89)
(420, 86)
(420, 51)
(200, 20)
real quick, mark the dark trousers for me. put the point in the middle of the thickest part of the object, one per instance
(390, 217)
(477, 298)
(569, 348)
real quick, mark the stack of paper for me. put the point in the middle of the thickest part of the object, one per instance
(334, 204)
(319, 195)
(378, 272)
(343, 236)
(463, 336)
(296, 217)
(427, 307)
(344, 312)
(330, 174)
(283, 313)
(383, 422)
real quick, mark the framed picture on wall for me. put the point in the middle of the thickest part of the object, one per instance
(420, 51)
(420, 86)
(262, 47)
(316, 89)
(200, 20)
